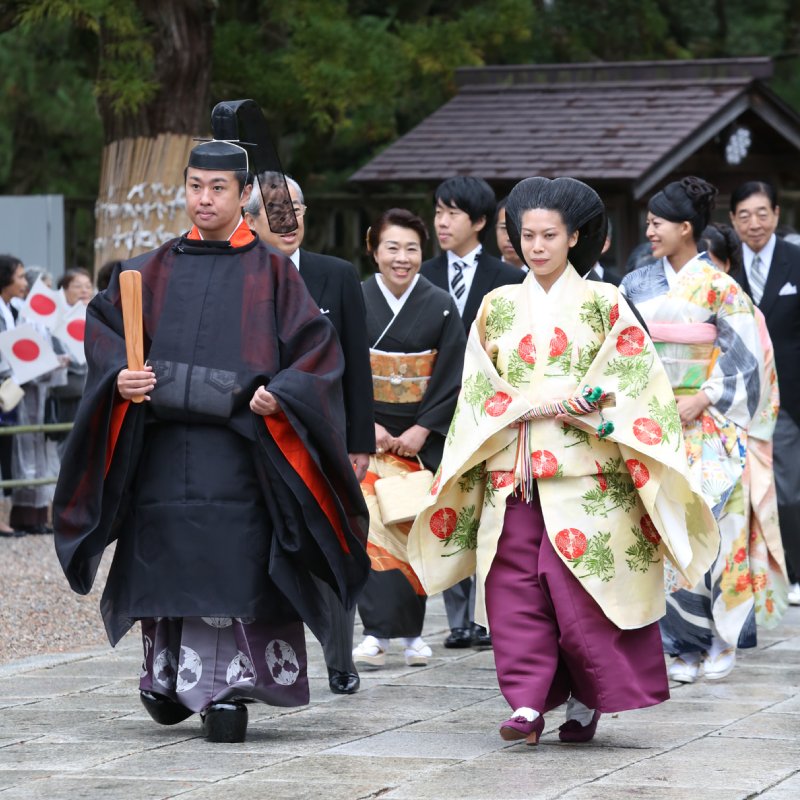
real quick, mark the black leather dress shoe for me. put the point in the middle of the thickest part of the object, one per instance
(343, 682)
(459, 637)
(481, 638)
(225, 722)
(163, 710)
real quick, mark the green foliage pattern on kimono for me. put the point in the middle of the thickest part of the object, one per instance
(613, 507)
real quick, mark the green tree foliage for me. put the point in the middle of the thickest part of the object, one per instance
(125, 74)
(342, 79)
(339, 79)
(50, 133)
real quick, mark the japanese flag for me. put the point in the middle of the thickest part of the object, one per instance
(70, 332)
(44, 305)
(27, 352)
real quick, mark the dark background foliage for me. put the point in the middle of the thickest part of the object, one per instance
(338, 79)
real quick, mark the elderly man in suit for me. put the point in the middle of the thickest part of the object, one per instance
(463, 209)
(772, 278)
(335, 287)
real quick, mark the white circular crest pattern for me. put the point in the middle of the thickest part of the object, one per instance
(190, 669)
(218, 622)
(165, 669)
(241, 670)
(282, 662)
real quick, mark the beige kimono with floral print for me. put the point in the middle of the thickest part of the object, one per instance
(613, 507)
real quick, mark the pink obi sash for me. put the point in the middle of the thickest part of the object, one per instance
(683, 332)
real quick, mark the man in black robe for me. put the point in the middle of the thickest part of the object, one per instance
(230, 486)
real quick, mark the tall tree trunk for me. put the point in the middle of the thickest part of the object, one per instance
(140, 198)
(181, 33)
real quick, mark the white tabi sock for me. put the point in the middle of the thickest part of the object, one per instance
(579, 712)
(718, 644)
(528, 713)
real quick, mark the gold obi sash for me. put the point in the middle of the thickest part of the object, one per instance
(401, 377)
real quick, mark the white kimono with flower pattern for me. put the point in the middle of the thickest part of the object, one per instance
(612, 507)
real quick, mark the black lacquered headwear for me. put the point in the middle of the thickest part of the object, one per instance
(242, 137)
(219, 155)
(579, 205)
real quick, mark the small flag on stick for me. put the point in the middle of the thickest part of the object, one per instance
(27, 352)
(70, 332)
(44, 305)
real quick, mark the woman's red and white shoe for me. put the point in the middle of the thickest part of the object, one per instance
(520, 727)
(572, 730)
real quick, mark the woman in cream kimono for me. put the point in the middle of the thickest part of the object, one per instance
(564, 480)
(707, 338)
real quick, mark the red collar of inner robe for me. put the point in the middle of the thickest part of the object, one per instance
(241, 236)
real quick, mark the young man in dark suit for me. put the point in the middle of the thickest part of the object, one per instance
(772, 278)
(464, 207)
(335, 287)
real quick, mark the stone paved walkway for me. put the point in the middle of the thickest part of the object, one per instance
(72, 727)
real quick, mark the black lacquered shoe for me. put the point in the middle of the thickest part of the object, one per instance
(163, 710)
(343, 682)
(225, 722)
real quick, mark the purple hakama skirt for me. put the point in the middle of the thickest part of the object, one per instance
(552, 640)
(197, 661)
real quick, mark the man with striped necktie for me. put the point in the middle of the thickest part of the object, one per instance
(463, 208)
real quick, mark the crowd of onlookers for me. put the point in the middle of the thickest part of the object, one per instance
(50, 398)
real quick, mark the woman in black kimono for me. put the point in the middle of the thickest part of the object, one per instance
(417, 350)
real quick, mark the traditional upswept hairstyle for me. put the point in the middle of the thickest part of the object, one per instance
(721, 241)
(401, 217)
(689, 200)
(580, 208)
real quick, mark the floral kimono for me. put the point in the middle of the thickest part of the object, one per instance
(573, 366)
(706, 336)
(767, 563)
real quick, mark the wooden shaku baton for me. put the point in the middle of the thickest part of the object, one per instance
(130, 287)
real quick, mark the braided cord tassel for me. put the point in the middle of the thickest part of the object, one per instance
(523, 468)
(591, 399)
